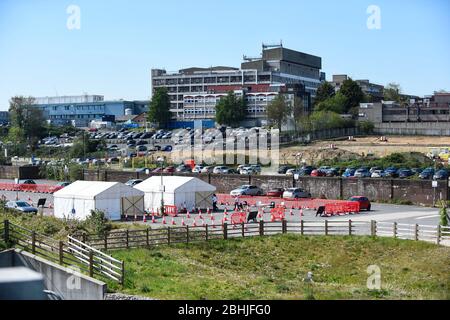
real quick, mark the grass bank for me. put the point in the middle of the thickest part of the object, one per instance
(274, 268)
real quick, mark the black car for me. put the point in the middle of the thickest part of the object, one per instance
(427, 174)
(405, 173)
(441, 175)
(283, 169)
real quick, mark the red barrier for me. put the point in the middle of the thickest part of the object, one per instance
(35, 188)
(342, 207)
(171, 211)
(278, 214)
(238, 218)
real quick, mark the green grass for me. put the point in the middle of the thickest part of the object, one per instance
(274, 268)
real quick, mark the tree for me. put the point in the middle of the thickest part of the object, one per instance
(324, 92)
(298, 111)
(443, 221)
(393, 92)
(354, 94)
(278, 111)
(336, 104)
(27, 121)
(231, 110)
(159, 108)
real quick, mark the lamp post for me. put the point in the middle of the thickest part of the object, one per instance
(161, 162)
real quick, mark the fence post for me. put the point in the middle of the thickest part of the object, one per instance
(91, 263)
(373, 232)
(349, 227)
(284, 226)
(6, 231)
(84, 237)
(439, 232)
(225, 231)
(127, 235)
(261, 228)
(243, 229)
(33, 242)
(206, 232)
(326, 227)
(122, 280)
(187, 234)
(302, 228)
(395, 230)
(147, 237)
(61, 253)
(416, 232)
(168, 235)
(106, 241)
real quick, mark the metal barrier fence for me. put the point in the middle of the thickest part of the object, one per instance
(35, 188)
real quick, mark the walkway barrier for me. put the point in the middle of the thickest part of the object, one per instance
(171, 211)
(342, 208)
(277, 214)
(238, 218)
(34, 188)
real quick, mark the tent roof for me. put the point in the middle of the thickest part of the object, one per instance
(86, 189)
(175, 183)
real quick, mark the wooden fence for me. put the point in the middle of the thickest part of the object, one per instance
(125, 239)
(71, 253)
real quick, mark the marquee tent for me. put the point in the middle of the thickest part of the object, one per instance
(182, 192)
(113, 198)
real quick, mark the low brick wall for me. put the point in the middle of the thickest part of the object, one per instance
(415, 191)
(24, 172)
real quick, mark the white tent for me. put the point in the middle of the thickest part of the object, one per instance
(182, 192)
(113, 198)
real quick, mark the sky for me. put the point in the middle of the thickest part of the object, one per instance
(119, 41)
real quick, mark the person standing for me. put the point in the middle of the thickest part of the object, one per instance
(214, 202)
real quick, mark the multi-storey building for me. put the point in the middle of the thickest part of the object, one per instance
(195, 92)
(81, 110)
(375, 91)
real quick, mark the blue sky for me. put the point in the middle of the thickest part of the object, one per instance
(120, 41)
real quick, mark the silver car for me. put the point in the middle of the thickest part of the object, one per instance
(296, 193)
(21, 206)
(247, 190)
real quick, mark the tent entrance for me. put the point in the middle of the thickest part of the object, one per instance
(203, 200)
(132, 205)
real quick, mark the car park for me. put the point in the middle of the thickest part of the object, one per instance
(133, 182)
(377, 174)
(349, 173)
(362, 173)
(296, 193)
(247, 190)
(364, 202)
(391, 172)
(405, 173)
(21, 206)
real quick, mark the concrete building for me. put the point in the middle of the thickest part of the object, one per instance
(375, 91)
(428, 116)
(81, 110)
(195, 92)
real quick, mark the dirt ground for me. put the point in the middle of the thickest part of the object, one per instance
(364, 146)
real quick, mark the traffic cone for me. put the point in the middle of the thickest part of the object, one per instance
(135, 217)
(173, 222)
(291, 212)
(194, 224)
(225, 218)
(203, 223)
(208, 211)
(225, 212)
(259, 214)
(200, 216)
(301, 212)
(126, 217)
(164, 220)
(182, 222)
(153, 219)
(50, 205)
(145, 218)
(188, 215)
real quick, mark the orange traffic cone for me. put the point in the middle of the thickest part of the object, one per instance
(164, 220)
(195, 223)
(182, 222)
(173, 222)
(291, 212)
(135, 217)
(126, 217)
(200, 216)
(203, 223)
(188, 215)
(145, 218)
(301, 212)
(225, 212)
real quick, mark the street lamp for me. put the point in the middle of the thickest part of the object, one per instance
(161, 161)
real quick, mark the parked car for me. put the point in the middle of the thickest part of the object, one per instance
(282, 169)
(28, 181)
(220, 170)
(364, 202)
(63, 184)
(256, 168)
(183, 168)
(275, 193)
(133, 182)
(291, 172)
(373, 169)
(141, 149)
(318, 173)
(377, 174)
(349, 173)
(296, 193)
(247, 171)
(167, 148)
(391, 172)
(427, 174)
(198, 169)
(441, 175)
(169, 169)
(307, 170)
(332, 172)
(405, 173)
(247, 190)
(207, 169)
(362, 173)
(21, 206)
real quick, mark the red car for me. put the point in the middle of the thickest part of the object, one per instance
(169, 170)
(275, 193)
(364, 202)
(317, 173)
